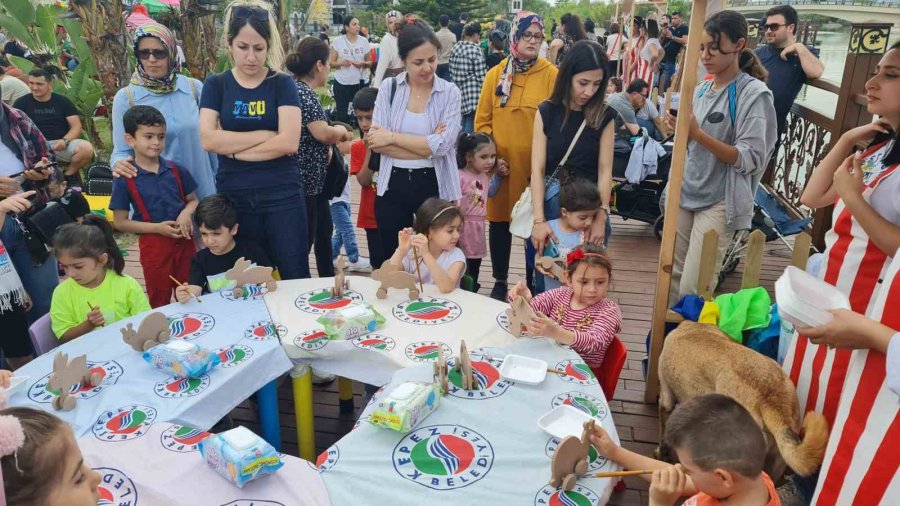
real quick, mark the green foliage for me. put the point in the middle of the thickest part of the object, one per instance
(430, 10)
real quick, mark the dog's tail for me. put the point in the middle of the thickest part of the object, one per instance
(805, 451)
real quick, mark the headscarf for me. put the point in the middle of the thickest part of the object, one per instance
(515, 62)
(163, 85)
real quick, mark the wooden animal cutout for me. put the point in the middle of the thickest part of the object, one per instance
(464, 367)
(519, 315)
(67, 374)
(550, 266)
(340, 281)
(392, 276)
(243, 274)
(570, 460)
(440, 373)
(153, 330)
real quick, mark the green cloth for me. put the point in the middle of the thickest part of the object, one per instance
(118, 297)
(744, 310)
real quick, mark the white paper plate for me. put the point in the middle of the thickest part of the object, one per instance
(527, 370)
(564, 420)
(15, 384)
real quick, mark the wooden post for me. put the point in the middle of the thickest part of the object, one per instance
(708, 253)
(673, 199)
(801, 250)
(753, 259)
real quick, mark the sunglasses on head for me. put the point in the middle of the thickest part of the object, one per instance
(159, 54)
(247, 12)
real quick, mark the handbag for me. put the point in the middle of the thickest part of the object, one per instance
(336, 174)
(522, 215)
(44, 222)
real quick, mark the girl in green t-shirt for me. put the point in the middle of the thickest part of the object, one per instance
(96, 292)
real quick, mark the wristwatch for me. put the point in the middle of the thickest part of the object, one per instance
(66, 141)
(605, 207)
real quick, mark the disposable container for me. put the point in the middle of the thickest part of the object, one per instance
(564, 420)
(527, 370)
(804, 300)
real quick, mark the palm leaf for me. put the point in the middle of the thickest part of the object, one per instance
(21, 63)
(15, 28)
(21, 10)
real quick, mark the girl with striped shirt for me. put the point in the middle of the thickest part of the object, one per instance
(578, 314)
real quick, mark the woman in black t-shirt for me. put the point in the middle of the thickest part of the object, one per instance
(250, 117)
(579, 95)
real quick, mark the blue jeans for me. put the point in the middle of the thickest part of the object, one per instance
(39, 280)
(667, 71)
(275, 219)
(650, 126)
(343, 232)
(468, 122)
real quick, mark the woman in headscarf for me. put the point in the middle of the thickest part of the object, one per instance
(509, 99)
(157, 83)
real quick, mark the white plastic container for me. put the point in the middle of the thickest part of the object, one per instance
(564, 420)
(15, 384)
(527, 370)
(804, 300)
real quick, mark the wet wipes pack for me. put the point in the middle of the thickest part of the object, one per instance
(181, 359)
(354, 320)
(406, 406)
(239, 455)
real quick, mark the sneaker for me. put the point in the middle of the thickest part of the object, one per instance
(361, 265)
(320, 378)
(499, 291)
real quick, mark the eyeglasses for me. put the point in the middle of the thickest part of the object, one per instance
(247, 12)
(532, 36)
(773, 27)
(159, 54)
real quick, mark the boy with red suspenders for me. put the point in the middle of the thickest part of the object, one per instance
(164, 201)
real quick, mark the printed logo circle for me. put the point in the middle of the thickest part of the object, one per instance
(190, 326)
(234, 355)
(264, 330)
(576, 372)
(443, 457)
(503, 321)
(319, 301)
(426, 351)
(578, 496)
(487, 377)
(110, 370)
(177, 388)
(116, 488)
(595, 460)
(247, 292)
(592, 406)
(311, 340)
(374, 342)
(124, 424)
(182, 439)
(327, 459)
(427, 311)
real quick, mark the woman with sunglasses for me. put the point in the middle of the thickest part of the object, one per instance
(157, 83)
(250, 116)
(732, 134)
(509, 100)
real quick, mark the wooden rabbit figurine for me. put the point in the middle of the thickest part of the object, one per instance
(440, 373)
(340, 279)
(153, 330)
(519, 315)
(392, 276)
(244, 274)
(570, 460)
(67, 374)
(549, 266)
(464, 366)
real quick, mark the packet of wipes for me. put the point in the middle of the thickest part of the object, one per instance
(356, 319)
(180, 358)
(406, 406)
(239, 455)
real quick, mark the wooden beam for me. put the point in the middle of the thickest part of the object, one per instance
(673, 200)
(801, 250)
(708, 253)
(753, 259)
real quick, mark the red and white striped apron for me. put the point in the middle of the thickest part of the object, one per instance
(634, 60)
(854, 264)
(863, 452)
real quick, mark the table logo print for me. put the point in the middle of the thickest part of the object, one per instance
(189, 326)
(443, 457)
(328, 459)
(427, 311)
(124, 424)
(487, 376)
(246, 292)
(426, 351)
(265, 329)
(311, 340)
(320, 301)
(253, 502)
(116, 488)
(576, 372)
(595, 460)
(503, 321)
(234, 355)
(111, 371)
(589, 404)
(374, 342)
(177, 388)
(182, 439)
(578, 496)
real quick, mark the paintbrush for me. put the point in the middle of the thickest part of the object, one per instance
(179, 283)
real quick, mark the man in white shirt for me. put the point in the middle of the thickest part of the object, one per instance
(11, 88)
(447, 40)
(389, 63)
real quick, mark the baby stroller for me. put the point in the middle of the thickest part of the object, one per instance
(640, 201)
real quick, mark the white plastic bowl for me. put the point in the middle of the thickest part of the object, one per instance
(527, 370)
(804, 299)
(564, 420)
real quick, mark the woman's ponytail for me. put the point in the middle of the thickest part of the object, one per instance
(751, 64)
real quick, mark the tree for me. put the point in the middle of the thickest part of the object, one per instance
(430, 10)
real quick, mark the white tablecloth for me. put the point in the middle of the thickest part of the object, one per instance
(413, 332)
(164, 468)
(134, 395)
(482, 447)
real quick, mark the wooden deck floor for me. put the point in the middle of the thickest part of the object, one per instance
(634, 251)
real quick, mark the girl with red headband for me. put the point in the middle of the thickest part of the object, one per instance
(578, 314)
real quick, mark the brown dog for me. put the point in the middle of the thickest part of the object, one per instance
(700, 359)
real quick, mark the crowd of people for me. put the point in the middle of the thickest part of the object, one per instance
(457, 134)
